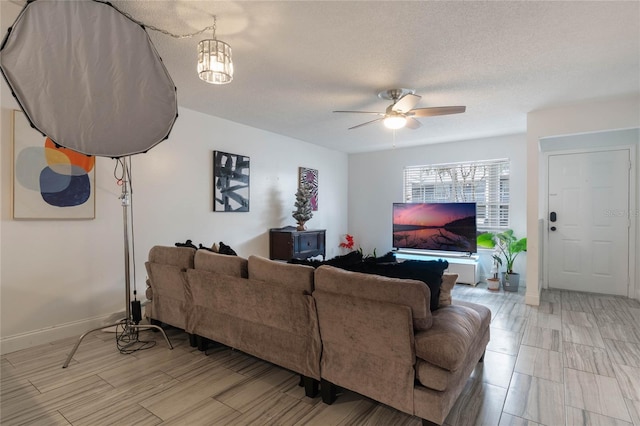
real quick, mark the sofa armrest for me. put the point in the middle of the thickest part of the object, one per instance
(455, 330)
(167, 291)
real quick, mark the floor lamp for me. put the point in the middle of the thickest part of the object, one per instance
(130, 326)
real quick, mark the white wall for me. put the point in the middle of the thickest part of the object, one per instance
(588, 117)
(60, 278)
(376, 180)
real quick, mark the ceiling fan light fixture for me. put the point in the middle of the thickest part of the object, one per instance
(215, 64)
(395, 121)
(402, 112)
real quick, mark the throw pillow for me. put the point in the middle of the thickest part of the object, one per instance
(389, 257)
(345, 261)
(188, 243)
(448, 281)
(225, 249)
(429, 272)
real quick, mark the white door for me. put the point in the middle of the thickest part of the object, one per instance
(589, 222)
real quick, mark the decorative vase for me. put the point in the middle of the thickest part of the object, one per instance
(301, 227)
(493, 284)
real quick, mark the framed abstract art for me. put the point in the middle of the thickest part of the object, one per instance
(49, 181)
(230, 182)
(310, 177)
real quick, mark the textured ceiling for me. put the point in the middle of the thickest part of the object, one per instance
(297, 61)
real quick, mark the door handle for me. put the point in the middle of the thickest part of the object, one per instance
(553, 228)
(553, 217)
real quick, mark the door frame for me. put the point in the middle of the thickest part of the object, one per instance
(633, 288)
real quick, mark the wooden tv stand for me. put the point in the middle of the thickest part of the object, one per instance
(467, 267)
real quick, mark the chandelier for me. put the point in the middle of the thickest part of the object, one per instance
(215, 65)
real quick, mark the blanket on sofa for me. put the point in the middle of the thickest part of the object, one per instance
(429, 272)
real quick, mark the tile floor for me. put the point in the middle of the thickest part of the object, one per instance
(573, 360)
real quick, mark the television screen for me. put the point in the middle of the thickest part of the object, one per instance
(435, 226)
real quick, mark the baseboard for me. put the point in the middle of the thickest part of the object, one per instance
(532, 297)
(30, 339)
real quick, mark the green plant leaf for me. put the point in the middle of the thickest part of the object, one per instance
(520, 245)
(486, 240)
(508, 244)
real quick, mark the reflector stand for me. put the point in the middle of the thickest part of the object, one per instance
(130, 327)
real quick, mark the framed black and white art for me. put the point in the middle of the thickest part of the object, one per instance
(230, 182)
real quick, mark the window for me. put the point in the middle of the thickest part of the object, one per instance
(484, 182)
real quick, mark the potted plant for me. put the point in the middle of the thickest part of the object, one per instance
(493, 283)
(303, 213)
(509, 247)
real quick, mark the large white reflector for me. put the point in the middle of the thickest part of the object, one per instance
(89, 77)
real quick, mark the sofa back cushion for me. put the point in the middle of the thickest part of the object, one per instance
(182, 257)
(265, 320)
(428, 271)
(298, 278)
(412, 293)
(448, 282)
(234, 266)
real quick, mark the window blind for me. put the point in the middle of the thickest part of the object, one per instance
(484, 182)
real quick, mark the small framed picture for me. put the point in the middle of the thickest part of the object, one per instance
(310, 177)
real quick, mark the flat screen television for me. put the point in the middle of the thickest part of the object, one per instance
(435, 226)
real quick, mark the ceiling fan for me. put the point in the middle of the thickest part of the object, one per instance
(401, 112)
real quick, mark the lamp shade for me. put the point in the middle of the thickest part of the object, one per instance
(395, 121)
(215, 65)
(88, 77)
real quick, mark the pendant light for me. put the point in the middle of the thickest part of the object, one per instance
(215, 65)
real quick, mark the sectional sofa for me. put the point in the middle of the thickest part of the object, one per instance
(371, 334)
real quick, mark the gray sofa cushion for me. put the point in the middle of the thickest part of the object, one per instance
(220, 263)
(435, 405)
(272, 322)
(167, 295)
(294, 277)
(182, 257)
(367, 346)
(406, 292)
(455, 330)
(483, 311)
(432, 376)
(448, 282)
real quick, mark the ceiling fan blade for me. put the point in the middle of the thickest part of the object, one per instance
(405, 103)
(363, 112)
(412, 123)
(430, 112)
(364, 124)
